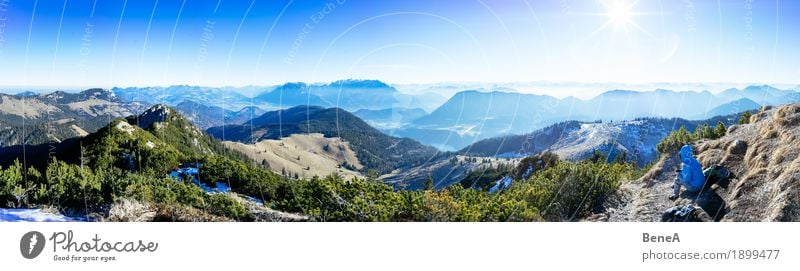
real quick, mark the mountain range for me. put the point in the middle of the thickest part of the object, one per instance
(348, 94)
(133, 146)
(465, 118)
(478, 123)
(29, 118)
(470, 116)
(345, 94)
(740, 105)
(207, 116)
(228, 98)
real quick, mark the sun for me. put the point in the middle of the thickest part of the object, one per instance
(620, 14)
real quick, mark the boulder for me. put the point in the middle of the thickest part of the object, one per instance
(737, 147)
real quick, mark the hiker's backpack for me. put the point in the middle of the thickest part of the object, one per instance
(717, 173)
(682, 213)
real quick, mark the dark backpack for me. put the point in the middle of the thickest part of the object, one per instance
(682, 213)
(717, 174)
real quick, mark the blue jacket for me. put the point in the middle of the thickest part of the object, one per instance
(692, 173)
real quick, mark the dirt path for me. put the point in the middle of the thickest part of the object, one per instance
(644, 199)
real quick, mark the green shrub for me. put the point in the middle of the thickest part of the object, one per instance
(333, 199)
(242, 177)
(10, 179)
(745, 118)
(535, 163)
(484, 178)
(224, 205)
(569, 191)
(71, 186)
(676, 139)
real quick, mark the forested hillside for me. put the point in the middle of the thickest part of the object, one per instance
(374, 149)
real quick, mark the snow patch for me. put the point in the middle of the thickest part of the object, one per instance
(501, 184)
(33, 215)
(194, 172)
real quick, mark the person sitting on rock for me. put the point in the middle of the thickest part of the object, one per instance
(691, 175)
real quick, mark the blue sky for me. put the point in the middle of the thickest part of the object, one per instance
(109, 43)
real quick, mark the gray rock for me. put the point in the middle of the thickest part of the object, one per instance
(737, 147)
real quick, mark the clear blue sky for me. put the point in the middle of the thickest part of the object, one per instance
(146, 42)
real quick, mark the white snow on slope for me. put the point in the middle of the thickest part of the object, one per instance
(33, 215)
(637, 138)
(504, 182)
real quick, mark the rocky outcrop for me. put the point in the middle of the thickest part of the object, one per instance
(156, 114)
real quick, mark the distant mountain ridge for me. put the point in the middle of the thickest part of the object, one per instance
(349, 94)
(207, 116)
(472, 115)
(228, 98)
(740, 105)
(346, 94)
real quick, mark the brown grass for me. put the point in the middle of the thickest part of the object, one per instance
(768, 166)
